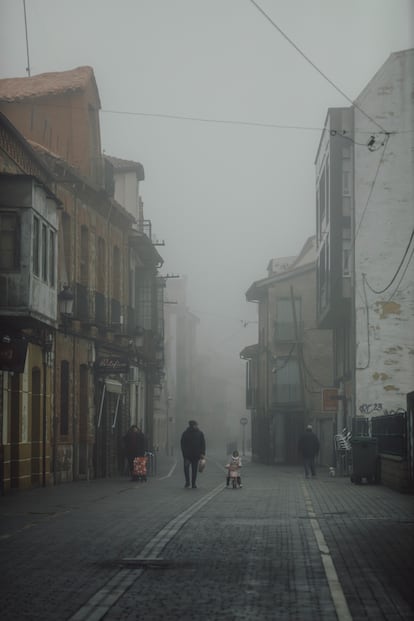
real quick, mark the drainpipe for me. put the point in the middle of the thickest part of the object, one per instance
(46, 349)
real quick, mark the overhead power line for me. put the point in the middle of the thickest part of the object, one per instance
(297, 48)
(384, 145)
(197, 119)
(396, 271)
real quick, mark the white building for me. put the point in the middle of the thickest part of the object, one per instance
(383, 237)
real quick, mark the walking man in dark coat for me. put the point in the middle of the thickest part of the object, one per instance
(308, 447)
(193, 447)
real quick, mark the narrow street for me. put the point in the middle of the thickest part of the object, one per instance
(282, 547)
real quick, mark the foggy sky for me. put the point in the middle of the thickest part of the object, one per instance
(226, 198)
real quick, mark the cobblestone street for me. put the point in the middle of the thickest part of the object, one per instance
(283, 547)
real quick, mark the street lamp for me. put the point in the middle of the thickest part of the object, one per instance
(66, 299)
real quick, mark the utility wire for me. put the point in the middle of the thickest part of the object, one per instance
(372, 186)
(402, 276)
(315, 66)
(286, 360)
(396, 272)
(183, 117)
(366, 365)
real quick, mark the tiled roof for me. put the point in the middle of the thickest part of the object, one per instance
(121, 165)
(58, 82)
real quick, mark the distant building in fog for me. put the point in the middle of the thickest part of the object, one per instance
(289, 367)
(180, 357)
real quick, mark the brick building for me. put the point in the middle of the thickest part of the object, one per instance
(97, 337)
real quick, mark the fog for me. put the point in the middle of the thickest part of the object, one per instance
(234, 188)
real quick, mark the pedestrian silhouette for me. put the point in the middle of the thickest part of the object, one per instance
(308, 446)
(193, 448)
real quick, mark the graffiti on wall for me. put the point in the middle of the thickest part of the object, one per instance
(369, 408)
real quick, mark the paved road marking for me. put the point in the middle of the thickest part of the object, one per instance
(335, 587)
(99, 604)
(167, 476)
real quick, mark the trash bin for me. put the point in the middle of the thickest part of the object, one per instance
(364, 459)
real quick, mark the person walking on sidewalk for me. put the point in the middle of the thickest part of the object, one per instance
(308, 446)
(135, 445)
(193, 448)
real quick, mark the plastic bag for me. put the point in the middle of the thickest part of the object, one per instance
(201, 464)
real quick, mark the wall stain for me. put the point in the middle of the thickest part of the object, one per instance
(389, 388)
(386, 309)
(380, 376)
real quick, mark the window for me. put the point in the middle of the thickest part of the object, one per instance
(285, 320)
(286, 384)
(9, 241)
(346, 257)
(346, 177)
(64, 398)
(346, 206)
(144, 299)
(44, 252)
(52, 256)
(36, 246)
(84, 256)
(322, 196)
(346, 182)
(66, 223)
(116, 274)
(100, 266)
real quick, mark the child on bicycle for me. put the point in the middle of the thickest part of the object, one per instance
(233, 469)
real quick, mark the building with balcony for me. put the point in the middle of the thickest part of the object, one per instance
(290, 366)
(28, 310)
(107, 356)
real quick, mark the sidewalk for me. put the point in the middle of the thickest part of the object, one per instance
(39, 503)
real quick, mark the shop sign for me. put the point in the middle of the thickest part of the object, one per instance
(330, 400)
(112, 364)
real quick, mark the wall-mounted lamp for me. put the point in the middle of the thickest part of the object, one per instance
(66, 299)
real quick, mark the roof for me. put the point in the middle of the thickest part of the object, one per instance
(43, 172)
(146, 250)
(303, 262)
(249, 352)
(121, 165)
(45, 84)
(399, 55)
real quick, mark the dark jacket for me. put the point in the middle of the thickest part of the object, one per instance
(308, 444)
(135, 444)
(193, 443)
